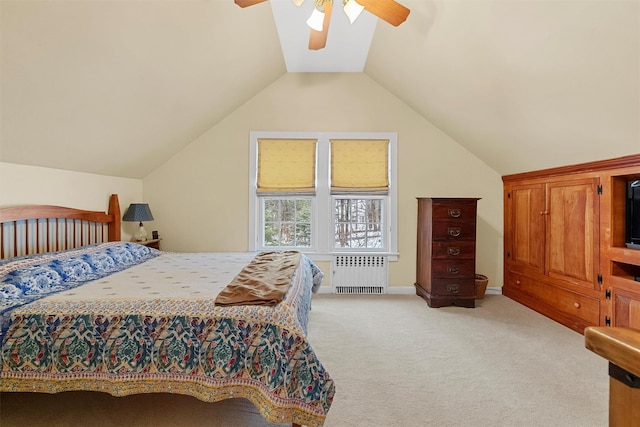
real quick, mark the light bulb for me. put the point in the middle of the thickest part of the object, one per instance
(353, 9)
(316, 20)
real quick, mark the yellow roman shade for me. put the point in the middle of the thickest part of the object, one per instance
(359, 165)
(286, 166)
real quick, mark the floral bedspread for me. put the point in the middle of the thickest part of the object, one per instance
(153, 327)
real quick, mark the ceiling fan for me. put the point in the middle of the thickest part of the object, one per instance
(388, 10)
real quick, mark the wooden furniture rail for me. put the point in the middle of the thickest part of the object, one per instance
(27, 230)
(621, 347)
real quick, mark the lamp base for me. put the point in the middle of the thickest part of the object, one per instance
(141, 235)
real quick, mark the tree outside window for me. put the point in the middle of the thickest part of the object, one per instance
(358, 223)
(287, 222)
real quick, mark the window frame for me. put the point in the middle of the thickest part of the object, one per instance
(322, 203)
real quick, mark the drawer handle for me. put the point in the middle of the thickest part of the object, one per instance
(453, 289)
(576, 304)
(453, 269)
(453, 251)
(454, 213)
(454, 231)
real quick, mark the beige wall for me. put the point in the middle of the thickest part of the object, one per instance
(200, 196)
(25, 185)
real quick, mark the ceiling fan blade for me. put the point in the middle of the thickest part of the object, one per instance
(245, 3)
(388, 10)
(318, 39)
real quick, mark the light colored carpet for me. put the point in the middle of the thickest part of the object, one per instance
(400, 363)
(396, 362)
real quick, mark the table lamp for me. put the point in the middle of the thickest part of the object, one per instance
(139, 212)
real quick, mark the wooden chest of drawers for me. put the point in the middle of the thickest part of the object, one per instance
(446, 260)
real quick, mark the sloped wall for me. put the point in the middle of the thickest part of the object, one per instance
(200, 196)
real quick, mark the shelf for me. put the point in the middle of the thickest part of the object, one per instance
(626, 271)
(625, 255)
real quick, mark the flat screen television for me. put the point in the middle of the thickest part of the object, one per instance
(633, 215)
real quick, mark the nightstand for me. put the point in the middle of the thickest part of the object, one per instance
(152, 243)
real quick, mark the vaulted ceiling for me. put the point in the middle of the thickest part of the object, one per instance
(523, 84)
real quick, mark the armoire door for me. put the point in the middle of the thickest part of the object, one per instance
(572, 231)
(525, 227)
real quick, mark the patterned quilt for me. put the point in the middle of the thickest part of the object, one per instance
(144, 321)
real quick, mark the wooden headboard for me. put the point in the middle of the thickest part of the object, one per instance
(34, 229)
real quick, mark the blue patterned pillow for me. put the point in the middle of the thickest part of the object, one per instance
(9, 291)
(35, 280)
(72, 269)
(122, 256)
(29, 279)
(103, 261)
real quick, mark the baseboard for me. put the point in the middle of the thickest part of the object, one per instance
(410, 290)
(401, 290)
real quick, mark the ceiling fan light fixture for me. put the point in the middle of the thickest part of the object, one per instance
(316, 20)
(388, 10)
(352, 9)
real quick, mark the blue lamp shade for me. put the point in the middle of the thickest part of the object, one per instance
(139, 212)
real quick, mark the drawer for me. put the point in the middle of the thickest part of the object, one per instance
(441, 268)
(453, 287)
(463, 212)
(454, 230)
(564, 300)
(454, 250)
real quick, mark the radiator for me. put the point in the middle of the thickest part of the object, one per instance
(359, 274)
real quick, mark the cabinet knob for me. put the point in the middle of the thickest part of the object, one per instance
(454, 289)
(453, 251)
(454, 213)
(454, 231)
(517, 282)
(453, 269)
(576, 304)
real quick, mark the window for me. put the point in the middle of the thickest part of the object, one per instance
(358, 223)
(287, 222)
(323, 193)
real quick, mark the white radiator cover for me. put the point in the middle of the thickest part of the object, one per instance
(359, 274)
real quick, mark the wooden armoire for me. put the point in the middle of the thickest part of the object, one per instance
(564, 243)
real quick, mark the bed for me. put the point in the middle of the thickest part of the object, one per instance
(81, 310)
